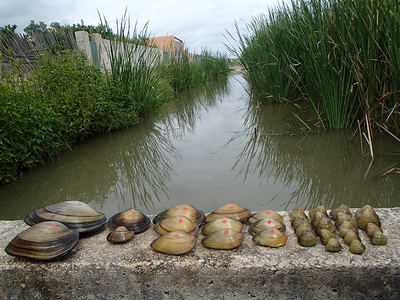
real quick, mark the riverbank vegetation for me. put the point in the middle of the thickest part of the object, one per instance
(59, 99)
(341, 58)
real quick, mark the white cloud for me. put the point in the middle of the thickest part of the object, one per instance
(200, 24)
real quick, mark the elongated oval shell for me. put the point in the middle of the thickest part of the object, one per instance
(222, 223)
(271, 238)
(307, 239)
(233, 211)
(321, 209)
(325, 236)
(175, 243)
(350, 236)
(224, 239)
(325, 223)
(345, 227)
(268, 214)
(301, 227)
(368, 217)
(371, 228)
(341, 217)
(74, 214)
(333, 245)
(133, 219)
(189, 211)
(43, 241)
(176, 223)
(120, 235)
(297, 213)
(266, 224)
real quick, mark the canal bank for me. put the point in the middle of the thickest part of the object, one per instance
(96, 269)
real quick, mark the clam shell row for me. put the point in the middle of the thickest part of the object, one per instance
(368, 220)
(303, 228)
(185, 210)
(324, 228)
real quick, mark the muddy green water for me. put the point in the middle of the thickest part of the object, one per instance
(206, 148)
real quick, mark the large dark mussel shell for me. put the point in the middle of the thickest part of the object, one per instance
(175, 243)
(176, 223)
(44, 241)
(132, 219)
(189, 211)
(233, 211)
(120, 235)
(74, 214)
(224, 239)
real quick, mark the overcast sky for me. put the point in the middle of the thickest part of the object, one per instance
(200, 24)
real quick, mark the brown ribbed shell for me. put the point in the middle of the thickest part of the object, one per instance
(133, 219)
(120, 235)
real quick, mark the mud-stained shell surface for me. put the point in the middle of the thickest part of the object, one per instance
(268, 214)
(176, 223)
(233, 211)
(266, 224)
(271, 238)
(224, 239)
(133, 219)
(74, 214)
(189, 211)
(120, 235)
(174, 243)
(47, 240)
(321, 209)
(222, 223)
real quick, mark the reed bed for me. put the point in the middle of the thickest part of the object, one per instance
(342, 57)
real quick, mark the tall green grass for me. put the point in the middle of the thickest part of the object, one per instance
(341, 56)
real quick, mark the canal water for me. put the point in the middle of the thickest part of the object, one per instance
(208, 148)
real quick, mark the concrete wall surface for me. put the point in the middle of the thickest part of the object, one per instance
(96, 269)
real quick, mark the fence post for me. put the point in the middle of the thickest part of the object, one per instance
(83, 44)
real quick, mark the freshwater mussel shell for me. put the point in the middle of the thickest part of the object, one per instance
(266, 224)
(222, 223)
(340, 209)
(378, 238)
(268, 214)
(321, 209)
(333, 245)
(371, 228)
(356, 247)
(341, 217)
(74, 214)
(325, 236)
(189, 211)
(367, 217)
(233, 211)
(174, 243)
(345, 227)
(307, 239)
(224, 239)
(297, 213)
(133, 219)
(47, 240)
(324, 223)
(271, 238)
(120, 235)
(350, 236)
(176, 223)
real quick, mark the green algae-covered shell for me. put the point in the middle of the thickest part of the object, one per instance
(378, 238)
(120, 235)
(321, 209)
(133, 219)
(340, 209)
(176, 223)
(174, 243)
(47, 240)
(356, 247)
(350, 236)
(268, 214)
(74, 214)
(333, 245)
(301, 227)
(266, 224)
(233, 211)
(271, 238)
(325, 236)
(307, 239)
(297, 213)
(224, 239)
(220, 224)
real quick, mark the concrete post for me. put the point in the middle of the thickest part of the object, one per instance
(83, 44)
(99, 44)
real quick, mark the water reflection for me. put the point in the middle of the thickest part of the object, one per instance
(321, 169)
(129, 168)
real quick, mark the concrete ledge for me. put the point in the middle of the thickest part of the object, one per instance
(98, 270)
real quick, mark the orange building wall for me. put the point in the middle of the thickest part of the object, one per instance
(167, 43)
